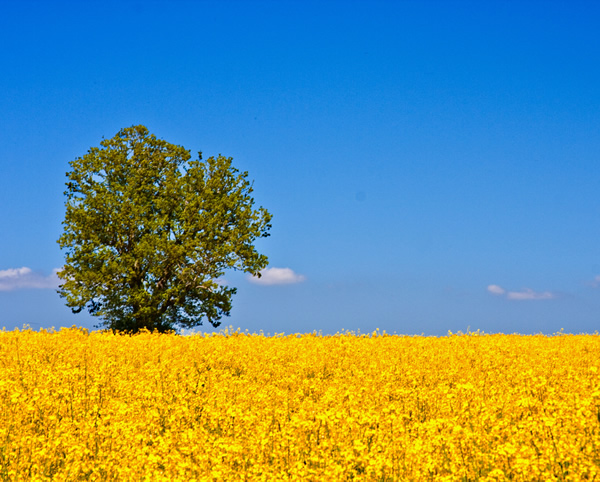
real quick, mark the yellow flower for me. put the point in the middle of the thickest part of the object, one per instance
(238, 406)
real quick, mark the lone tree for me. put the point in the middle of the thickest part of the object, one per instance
(148, 233)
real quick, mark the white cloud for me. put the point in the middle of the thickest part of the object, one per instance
(596, 282)
(525, 294)
(277, 276)
(14, 272)
(528, 294)
(496, 290)
(23, 278)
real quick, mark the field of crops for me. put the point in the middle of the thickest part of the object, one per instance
(97, 406)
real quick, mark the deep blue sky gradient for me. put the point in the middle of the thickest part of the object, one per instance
(413, 153)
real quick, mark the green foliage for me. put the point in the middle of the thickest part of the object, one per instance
(148, 233)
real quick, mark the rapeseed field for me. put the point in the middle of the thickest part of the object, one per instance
(98, 406)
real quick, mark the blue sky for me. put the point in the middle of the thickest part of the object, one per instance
(430, 166)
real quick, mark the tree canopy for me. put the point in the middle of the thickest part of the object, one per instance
(148, 234)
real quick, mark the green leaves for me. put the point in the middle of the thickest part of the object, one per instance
(147, 233)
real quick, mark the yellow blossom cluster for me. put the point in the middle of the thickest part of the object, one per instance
(236, 406)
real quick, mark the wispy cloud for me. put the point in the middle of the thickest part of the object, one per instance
(595, 283)
(277, 276)
(525, 294)
(529, 294)
(23, 278)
